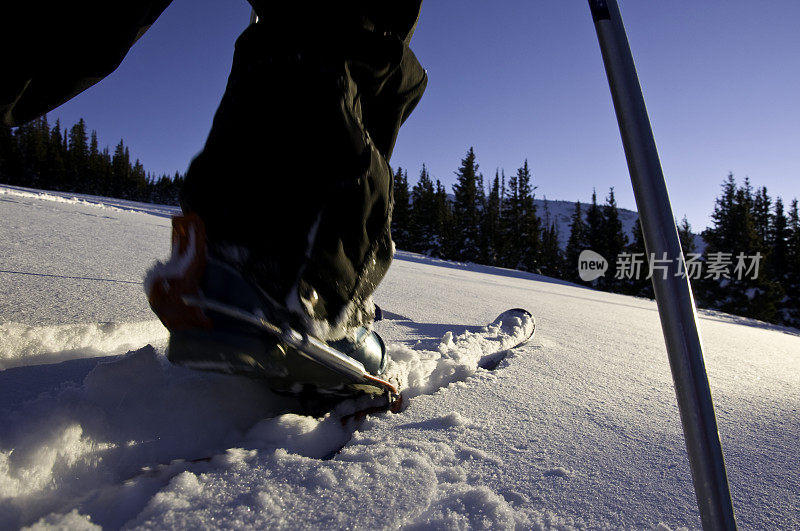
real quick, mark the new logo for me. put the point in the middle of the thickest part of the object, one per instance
(591, 265)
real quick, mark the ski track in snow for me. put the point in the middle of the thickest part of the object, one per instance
(577, 429)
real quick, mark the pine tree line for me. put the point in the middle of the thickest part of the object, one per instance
(746, 222)
(38, 156)
(500, 226)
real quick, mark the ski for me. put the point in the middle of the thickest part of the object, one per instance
(509, 318)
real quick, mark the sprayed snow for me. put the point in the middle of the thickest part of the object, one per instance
(577, 429)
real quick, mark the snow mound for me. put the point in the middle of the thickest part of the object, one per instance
(62, 449)
(22, 344)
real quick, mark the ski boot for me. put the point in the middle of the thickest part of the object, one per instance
(220, 321)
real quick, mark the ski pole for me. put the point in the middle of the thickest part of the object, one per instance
(673, 291)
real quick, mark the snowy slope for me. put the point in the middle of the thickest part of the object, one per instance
(577, 429)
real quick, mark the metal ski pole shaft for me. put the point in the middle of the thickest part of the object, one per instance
(673, 291)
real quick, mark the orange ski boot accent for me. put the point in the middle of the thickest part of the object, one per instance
(169, 283)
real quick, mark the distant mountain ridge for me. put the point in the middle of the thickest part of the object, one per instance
(561, 212)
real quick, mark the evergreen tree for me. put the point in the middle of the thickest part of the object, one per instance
(639, 285)
(530, 236)
(481, 194)
(577, 242)
(502, 190)
(521, 227)
(778, 259)
(778, 242)
(177, 184)
(612, 239)
(492, 245)
(481, 205)
(762, 214)
(444, 223)
(423, 214)
(108, 185)
(77, 157)
(719, 238)
(510, 224)
(120, 171)
(594, 224)
(160, 190)
(687, 238)
(138, 182)
(94, 172)
(742, 221)
(33, 146)
(401, 215)
(790, 306)
(56, 155)
(467, 210)
(39, 165)
(93, 146)
(552, 260)
(734, 233)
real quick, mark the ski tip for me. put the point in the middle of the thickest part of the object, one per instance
(526, 318)
(520, 313)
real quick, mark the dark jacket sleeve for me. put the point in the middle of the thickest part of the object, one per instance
(51, 51)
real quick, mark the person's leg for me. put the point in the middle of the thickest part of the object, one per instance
(390, 82)
(294, 177)
(52, 51)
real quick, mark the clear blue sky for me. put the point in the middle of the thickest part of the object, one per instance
(515, 79)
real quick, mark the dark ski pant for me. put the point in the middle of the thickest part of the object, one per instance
(295, 169)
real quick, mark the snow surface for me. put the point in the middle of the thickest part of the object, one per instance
(577, 429)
